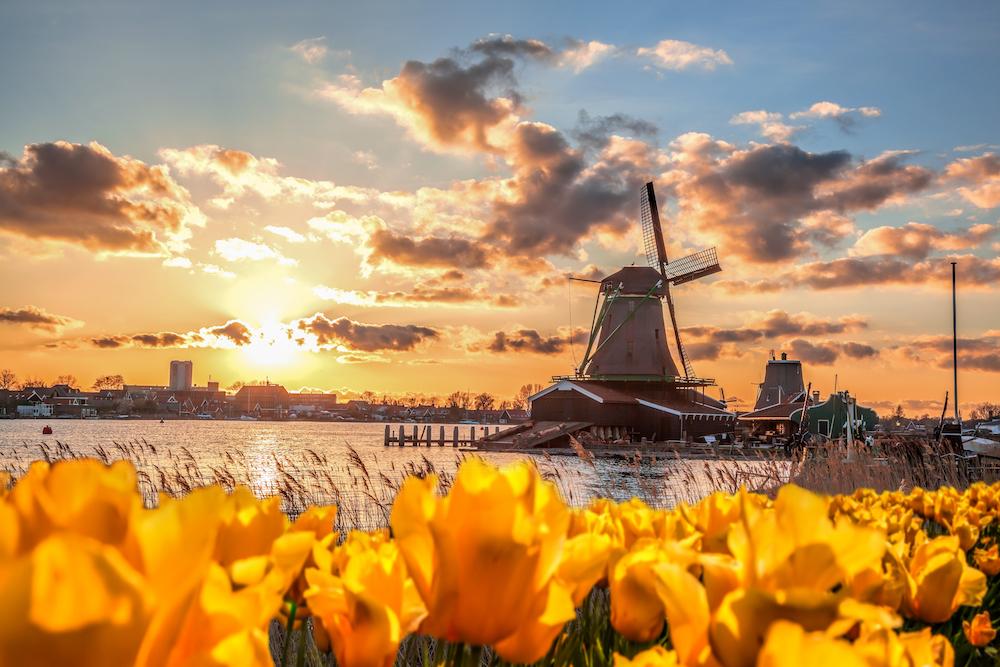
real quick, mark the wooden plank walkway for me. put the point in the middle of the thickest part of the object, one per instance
(423, 435)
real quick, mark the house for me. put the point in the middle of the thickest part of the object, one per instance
(654, 411)
(311, 402)
(513, 416)
(832, 417)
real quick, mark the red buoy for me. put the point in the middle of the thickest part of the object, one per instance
(47, 430)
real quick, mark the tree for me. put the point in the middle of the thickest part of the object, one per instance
(32, 382)
(459, 399)
(985, 410)
(484, 402)
(8, 379)
(109, 382)
(526, 390)
(68, 380)
(368, 396)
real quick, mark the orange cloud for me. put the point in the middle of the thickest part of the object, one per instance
(84, 195)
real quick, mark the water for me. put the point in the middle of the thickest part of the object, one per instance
(312, 462)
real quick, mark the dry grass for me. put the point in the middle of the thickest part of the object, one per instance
(364, 490)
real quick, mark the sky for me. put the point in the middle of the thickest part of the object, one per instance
(390, 196)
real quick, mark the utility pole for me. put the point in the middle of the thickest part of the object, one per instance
(954, 343)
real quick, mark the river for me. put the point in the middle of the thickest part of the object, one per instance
(316, 462)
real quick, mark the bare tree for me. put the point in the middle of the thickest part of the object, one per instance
(526, 390)
(985, 410)
(8, 379)
(109, 382)
(484, 401)
(32, 382)
(68, 379)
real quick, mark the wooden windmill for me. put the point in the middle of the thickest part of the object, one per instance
(628, 339)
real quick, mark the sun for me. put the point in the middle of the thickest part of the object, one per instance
(271, 346)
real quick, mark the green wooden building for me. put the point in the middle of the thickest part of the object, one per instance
(830, 418)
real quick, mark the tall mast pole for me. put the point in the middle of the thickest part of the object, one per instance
(954, 340)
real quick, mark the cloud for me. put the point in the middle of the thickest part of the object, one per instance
(444, 104)
(367, 159)
(917, 240)
(84, 195)
(979, 179)
(530, 340)
(286, 233)
(419, 295)
(975, 354)
(822, 354)
(873, 270)
(311, 50)
(34, 317)
(316, 333)
(772, 124)
(453, 251)
(845, 117)
(595, 132)
(674, 54)
(763, 203)
(711, 342)
(237, 250)
(240, 173)
(322, 332)
(580, 55)
(507, 46)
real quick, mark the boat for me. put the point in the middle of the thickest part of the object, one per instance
(204, 415)
(247, 418)
(468, 421)
(46, 430)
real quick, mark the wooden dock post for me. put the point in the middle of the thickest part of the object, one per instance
(416, 436)
(402, 437)
(472, 435)
(441, 437)
(454, 437)
(430, 435)
(385, 442)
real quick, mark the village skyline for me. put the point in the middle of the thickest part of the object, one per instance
(320, 197)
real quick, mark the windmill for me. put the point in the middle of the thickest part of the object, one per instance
(627, 335)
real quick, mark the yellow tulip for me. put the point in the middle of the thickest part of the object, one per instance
(654, 657)
(637, 607)
(788, 645)
(939, 581)
(317, 520)
(368, 605)
(980, 631)
(792, 563)
(83, 496)
(988, 560)
(923, 648)
(71, 601)
(485, 557)
(219, 624)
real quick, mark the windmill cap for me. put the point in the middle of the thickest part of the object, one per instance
(635, 280)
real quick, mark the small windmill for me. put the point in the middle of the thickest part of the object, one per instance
(627, 336)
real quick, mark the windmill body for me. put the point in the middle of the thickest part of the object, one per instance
(632, 339)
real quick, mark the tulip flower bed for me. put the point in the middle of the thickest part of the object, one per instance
(498, 570)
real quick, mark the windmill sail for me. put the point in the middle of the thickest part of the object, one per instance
(689, 268)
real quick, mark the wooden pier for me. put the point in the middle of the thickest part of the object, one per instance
(431, 435)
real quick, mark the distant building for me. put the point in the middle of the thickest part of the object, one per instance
(781, 394)
(311, 402)
(181, 375)
(268, 400)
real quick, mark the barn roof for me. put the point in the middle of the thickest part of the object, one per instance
(600, 392)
